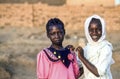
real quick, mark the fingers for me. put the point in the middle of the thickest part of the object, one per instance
(71, 47)
(79, 48)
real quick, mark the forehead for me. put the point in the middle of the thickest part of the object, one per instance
(95, 25)
(54, 27)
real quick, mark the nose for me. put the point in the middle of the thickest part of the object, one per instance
(94, 31)
(56, 35)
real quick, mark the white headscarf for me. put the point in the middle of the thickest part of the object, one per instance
(92, 47)
(87, 22)
(96, 52)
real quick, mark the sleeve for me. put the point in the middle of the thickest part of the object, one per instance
(42, 66)
(75, 66)
(105, 59)
(79, 61)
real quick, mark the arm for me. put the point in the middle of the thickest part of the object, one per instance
(105, 60)
(42, 66)
(81, 72)
(79, 69)
(80, 66)
(90, 66)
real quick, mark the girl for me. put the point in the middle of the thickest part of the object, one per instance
(97, 55)
(56, 62)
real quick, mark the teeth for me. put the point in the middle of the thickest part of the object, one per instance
(94, 37)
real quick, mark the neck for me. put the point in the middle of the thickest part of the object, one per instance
(57, 47)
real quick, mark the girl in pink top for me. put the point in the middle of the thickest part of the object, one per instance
(56, 62)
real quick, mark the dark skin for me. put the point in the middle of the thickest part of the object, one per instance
(72, 48)
(56, 35)
(95, 33)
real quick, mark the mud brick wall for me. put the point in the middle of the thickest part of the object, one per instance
(91, 2)
(16, 15)
(32, 15)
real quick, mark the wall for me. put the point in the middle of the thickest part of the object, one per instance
(91, 2)
(35, 15)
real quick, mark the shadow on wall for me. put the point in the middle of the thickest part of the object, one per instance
(49, 2)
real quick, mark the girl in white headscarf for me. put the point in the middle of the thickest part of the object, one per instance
(96, 57)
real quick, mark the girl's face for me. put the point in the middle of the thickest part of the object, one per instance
(56, 35)
(95, 31)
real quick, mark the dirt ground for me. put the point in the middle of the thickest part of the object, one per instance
(20, 45)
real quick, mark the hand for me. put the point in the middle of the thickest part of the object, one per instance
(80, 51)
(71, 47)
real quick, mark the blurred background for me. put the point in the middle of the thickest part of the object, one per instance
(23, 35)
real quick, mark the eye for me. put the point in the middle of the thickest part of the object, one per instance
(100, 29)
(91, 30)
(61, 32)
(52, 33)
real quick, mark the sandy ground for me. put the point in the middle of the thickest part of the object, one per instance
(20, 45)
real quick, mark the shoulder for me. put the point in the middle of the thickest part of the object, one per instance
(107, 49)
(41, 56)
(47, 54)
(108, 46)
(41, 53)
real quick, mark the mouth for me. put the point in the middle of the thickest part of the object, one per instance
(57, 40)
(94, 37)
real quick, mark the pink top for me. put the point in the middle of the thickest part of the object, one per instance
(47, 69)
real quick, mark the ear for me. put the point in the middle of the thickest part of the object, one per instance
(48, 35)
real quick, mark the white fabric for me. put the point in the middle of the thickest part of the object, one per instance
(87, 22)
(98, 53)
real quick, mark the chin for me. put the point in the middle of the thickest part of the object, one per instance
(95, 40)
(58, 43)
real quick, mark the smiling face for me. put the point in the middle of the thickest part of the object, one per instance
(95, 29)
(56, 35)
